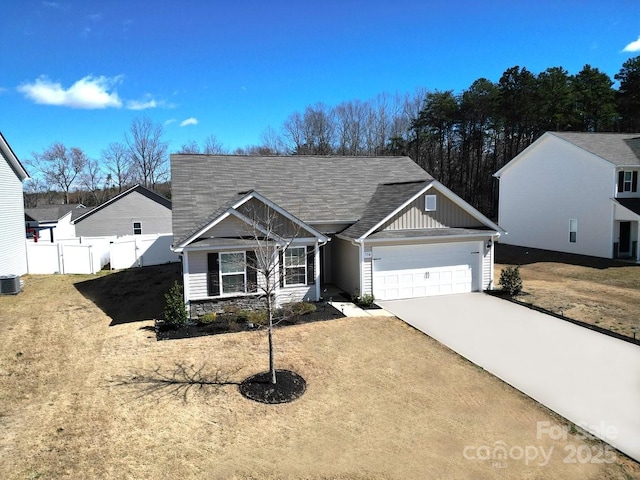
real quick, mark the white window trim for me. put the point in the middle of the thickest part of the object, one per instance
(433, 206)
(284, 266)
(573, 228)
(244, 272)
(134, 227)
(627, 185)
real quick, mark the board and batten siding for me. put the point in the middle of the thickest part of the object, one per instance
(13, 248)
(447, 214)
(118, 217)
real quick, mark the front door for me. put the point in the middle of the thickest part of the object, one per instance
(625, 237)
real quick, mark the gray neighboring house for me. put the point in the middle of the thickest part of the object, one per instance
(369, 225)
(13, 248)
(137, 211)
(53, 222)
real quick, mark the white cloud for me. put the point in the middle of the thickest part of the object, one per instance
(189, 121)
(89, 93)
(633, 46)
(170, 121)
(141, 104)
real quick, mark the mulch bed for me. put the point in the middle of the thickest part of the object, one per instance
(288, 387)
(323, 312)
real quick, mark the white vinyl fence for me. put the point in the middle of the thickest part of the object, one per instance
(141, 251)
(74, 255)
(91, 254)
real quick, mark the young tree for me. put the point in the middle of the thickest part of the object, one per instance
(147, 151)
(271, 261)
(60, 166)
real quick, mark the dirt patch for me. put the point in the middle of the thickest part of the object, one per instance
(82, 396)
(601, 292)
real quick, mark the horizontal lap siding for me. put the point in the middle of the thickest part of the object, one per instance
(367, 273)
(13, 249)
(197, 282)
(487, 269)
(118, 217)
(198, 275)
(447, 214)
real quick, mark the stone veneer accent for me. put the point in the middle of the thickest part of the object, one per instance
(199, 308)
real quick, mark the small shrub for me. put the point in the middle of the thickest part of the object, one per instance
(208, 318)
(297, 309)
(175, 312)
(257, 317)
(366, 300)
(510, 280)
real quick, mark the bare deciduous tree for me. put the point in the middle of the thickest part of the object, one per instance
(60, 166)
(212, 146)
(92, 180)
(116, 160)
(147, 151)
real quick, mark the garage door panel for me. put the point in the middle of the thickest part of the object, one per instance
(418, 270)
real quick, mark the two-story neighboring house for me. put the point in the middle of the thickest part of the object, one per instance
(574, 192)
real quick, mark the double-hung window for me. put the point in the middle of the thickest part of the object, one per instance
(295, 266)
(137, 228)
(233, 274)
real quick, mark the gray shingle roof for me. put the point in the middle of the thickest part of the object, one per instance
(53, 213)
(386, 198)
(617, 148)
(313, 188)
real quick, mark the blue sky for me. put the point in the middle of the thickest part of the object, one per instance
(78, 71)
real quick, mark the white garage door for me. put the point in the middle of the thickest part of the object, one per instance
(408, 271)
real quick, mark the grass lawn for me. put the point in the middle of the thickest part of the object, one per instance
(601, 292)
(84, 394)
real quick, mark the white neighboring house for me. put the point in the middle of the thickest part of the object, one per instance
(49, 223)
(13, 250)
(574, 192)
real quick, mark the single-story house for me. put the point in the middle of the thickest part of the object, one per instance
(369, 225)
(53, 222)
(574, 192)
(13, 249)
(136, 211)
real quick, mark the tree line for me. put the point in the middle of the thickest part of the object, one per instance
(459, 138)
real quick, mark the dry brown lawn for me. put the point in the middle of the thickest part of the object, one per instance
(597, 291)
(80, 398)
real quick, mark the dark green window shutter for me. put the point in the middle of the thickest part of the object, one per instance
(621, 181)
(281, 267)
(252, 272)
(634, 182)
(213, 275)
(311, 263)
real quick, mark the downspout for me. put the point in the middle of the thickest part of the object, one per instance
(185, 281)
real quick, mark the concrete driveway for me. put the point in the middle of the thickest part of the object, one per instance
(589, 378)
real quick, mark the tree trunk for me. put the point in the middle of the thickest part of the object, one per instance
(272, 367)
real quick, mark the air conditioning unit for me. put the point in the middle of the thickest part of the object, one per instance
(9, 285)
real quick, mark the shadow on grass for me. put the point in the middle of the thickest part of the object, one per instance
(181, 382)
(512, 255)
(131, 295)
